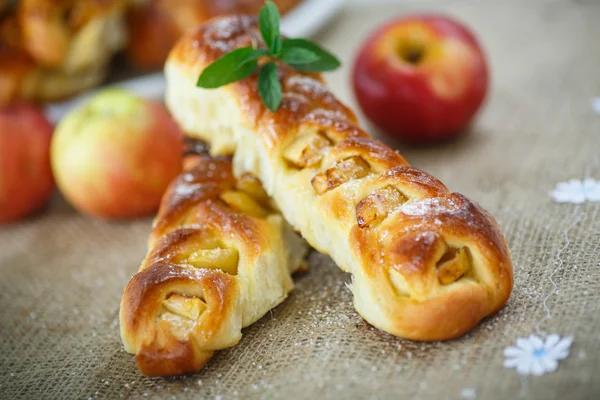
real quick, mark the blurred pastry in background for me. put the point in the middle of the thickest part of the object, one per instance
(14, 63)
(54, 49)
(155, 25)
(50, 50)
(7, 5)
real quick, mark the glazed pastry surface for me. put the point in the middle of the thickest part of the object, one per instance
(219, 259)
(427, 264)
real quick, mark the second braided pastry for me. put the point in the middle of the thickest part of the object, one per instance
(219, 259)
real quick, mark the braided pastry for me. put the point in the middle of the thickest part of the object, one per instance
(427, 264)
(219, 259)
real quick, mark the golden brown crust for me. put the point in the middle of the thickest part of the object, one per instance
(379, 157)
(212, 268)
(428, 264)
(193, 187)
(158, 352)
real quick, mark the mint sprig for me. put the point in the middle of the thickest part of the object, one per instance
(238, 64)
(269, 86)
(268, 22)
(325, 61)
(300, 54)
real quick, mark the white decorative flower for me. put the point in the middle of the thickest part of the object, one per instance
(576, 191)
(534, 356)
(468, 393)
(596, 104)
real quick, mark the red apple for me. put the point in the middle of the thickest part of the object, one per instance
(114, 156)
(421, 78)
(25, 177)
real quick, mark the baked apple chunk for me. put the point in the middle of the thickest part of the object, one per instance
(453, 265)
(350, 168)
(376, 206)
(307, 150)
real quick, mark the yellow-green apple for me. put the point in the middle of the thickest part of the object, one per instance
(25, 177)
(114, 156)
(421, 78)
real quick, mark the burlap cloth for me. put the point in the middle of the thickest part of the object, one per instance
(62, 275)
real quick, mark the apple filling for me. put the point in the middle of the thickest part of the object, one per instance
(399, 283)
(244, 203)
(207, 252)
(453, 264)
(183, 306)
(350, 168)
(224, 259)
(249, 184)
(376, 206)
(181, 313)
(306, 150)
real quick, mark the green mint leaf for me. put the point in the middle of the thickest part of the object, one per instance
(326, 61)
(276, 48)
(298, 55)
(254, 55)
(269, 86)
(231, 67)
(268, 22)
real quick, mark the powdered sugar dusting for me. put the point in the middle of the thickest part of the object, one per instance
(187, 190)
(436, 205)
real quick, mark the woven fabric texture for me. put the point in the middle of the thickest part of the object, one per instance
(62, 275)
